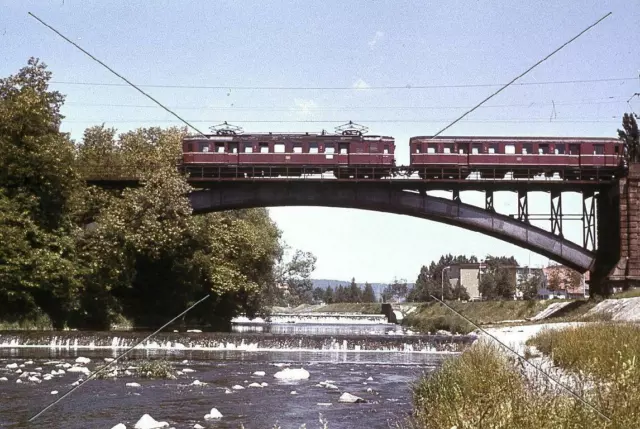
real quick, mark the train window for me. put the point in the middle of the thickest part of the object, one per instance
(543, 149)
(598, 149)
(297, 148)
(386, 149)
(330, 148)
(616, 149)
(264, 147)
(574, 149)
(344, 148)
(248, 148)
(447, 148)
(204, 147)
(220, 147)
(510, 148)
(313, 147)
(373, 148)
(233, 147)
(278, 148)
(560, 149)
(492, 148)
(463, 148)
(432, 148)
(527, 148)
(418, 148)
(476, 148)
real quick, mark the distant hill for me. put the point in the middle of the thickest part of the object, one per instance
(325, 283)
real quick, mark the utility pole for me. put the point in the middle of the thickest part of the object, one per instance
(442, 282)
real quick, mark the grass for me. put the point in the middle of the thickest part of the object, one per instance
(604, 350)
(349, 307)
(631, 293)
(484, 388)
(430, 317)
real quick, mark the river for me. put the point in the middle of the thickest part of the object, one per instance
(376, 362)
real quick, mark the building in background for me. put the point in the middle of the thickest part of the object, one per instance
(562, 282)
(468, 275)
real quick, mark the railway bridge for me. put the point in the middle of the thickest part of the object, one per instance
(609, 249)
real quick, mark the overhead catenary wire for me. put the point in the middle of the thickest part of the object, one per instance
(519, 76)
(345, 88)
(522, 358)
(103, 368)
(332, 121)
(116, 73)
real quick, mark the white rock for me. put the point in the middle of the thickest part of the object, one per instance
(370, 379)
(213, 414)
(194, 330)
(350, 399)
(133, 385)
(237, 387)
(21, 365)
(18, 381)
(263, 384)
(198, 383)
(35, 379)
(75, 383)
(186, 370)
(254, 385)
(11, 365)
(38, 368)
(369, 390)
(148, 422)
(119, 426)
(292, 374)
(83, 360)
(4, 379)
(259, 373)
(47, 377)
(83, 369)
(107, 360)
(293, 392)
(227, 391)
(29, 362)
(331, 386)
(54, 392)
(197, 426)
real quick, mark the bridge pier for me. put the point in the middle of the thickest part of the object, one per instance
(617, 262)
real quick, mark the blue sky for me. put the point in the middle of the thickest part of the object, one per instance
(356, 45)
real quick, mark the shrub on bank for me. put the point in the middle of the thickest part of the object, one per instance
(483, 388)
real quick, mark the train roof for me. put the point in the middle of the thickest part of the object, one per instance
(277, 136)
(517, 138)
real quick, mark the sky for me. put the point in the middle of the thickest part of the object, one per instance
(334, 61)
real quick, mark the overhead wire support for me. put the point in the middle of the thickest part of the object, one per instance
(521, 75)
(117, 74)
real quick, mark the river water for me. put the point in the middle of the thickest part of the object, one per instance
(376, 362)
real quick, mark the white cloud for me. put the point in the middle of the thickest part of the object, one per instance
(376, 38)
(361, 84)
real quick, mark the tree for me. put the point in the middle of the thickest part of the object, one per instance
(368, 295)
(395, 291)
(328, 296)
(354, 292)
(318, 295)
(460, 292)
(529, 287)
(295, 273)
(553, 279)
(631, 137)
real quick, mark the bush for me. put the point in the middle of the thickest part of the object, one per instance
(483, 389)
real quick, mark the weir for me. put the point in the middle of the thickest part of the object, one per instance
(55, 340)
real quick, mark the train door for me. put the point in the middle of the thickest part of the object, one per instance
(574, 152)
(343, 151)
(463, 154)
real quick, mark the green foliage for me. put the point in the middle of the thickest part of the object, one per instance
(631, 137)
(484, 389)
(88, 257)
(368, 295)
(429, 281)
(295, 274)
(396, 291)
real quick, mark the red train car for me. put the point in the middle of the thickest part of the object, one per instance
(282, 154)
(524, 157)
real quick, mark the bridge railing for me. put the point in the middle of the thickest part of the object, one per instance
(202, 173)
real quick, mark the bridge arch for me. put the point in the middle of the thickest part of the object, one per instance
(379, 197)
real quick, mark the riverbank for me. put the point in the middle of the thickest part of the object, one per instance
(487, 387)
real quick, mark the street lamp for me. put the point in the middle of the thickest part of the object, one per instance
(442, 283)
